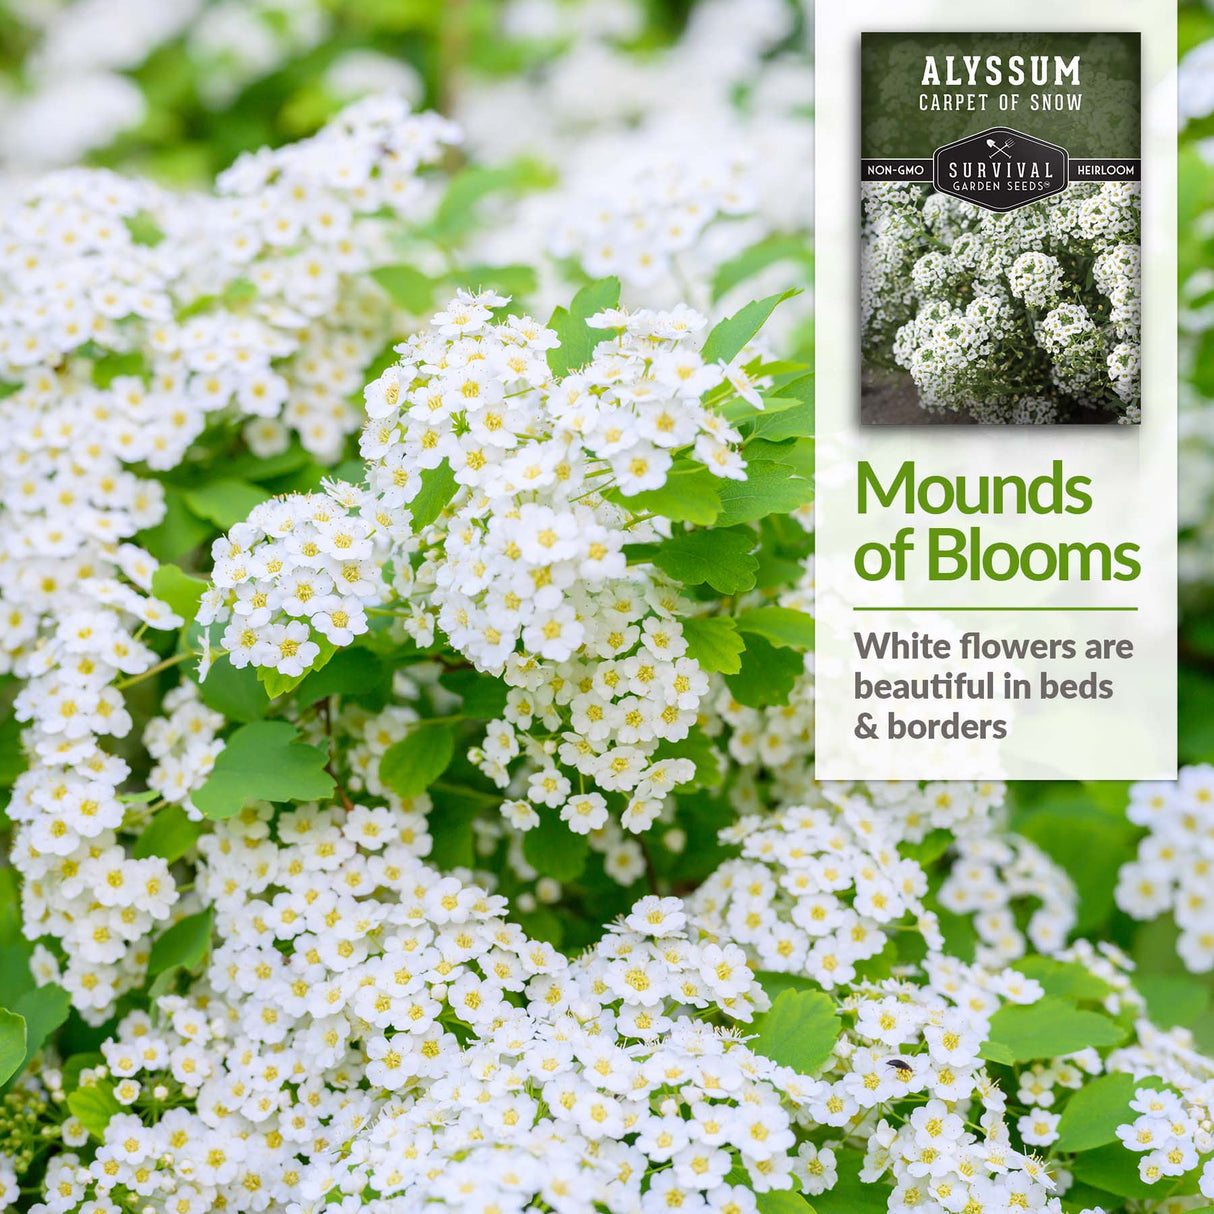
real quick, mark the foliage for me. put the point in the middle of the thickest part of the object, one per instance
(361, 906)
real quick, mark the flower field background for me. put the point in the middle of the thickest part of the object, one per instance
(406, 626)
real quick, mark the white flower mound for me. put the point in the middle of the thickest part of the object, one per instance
(1174, 868)
(130, 320)
(368, 1031)
(1014, 316)
(524, 571)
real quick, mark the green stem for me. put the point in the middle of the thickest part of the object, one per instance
(176, 660)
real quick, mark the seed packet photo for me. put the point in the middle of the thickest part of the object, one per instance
(1000, 229)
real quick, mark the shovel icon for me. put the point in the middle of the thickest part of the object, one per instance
(990, 143)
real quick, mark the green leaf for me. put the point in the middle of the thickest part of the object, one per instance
(170, 834)
(929, 849)
(797, 421)
(349, 672)
(457, 212)
(183, 945)
(1048, 1028)
(263, 761)
(794, 455)
(411, 765)
(992, 1051)
(12, 1044)
(224, 502)
(12, 757)
(450, 824)
(409, 288)
(250, 467)
(701, 750)
(849, 1194)
(1093, 1113)
(15, 949)
(1067, 979)
(513, 280)
(795, 416)
(110, 367)
(728, 337)
(578, 339)
(782, 626)
(1115, 1170)
(553, 850)
(1088, 844)
(799, 1031)
(43, 1009)
(769, 488)
(181, 591)
(278, 684)
(782, 1201)
(177, 533)
(143, 228)
(93, 1107)
(236, 693)
(721, 558)
(688, 496)
(542, 924)
(76, 1063)
(758, 257)
(483, 696)
(139, 798)
(713, 642)
(238, 291)
(767, 674)
(774, 982)
(1196, 692)
(438, 488)
(1173, 999)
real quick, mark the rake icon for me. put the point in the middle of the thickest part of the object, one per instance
(990, 143)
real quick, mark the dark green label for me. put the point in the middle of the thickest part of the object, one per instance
(1079, 92)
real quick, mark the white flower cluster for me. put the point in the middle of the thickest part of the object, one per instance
(74, 601)
(525, 573)
(936, 1160)
(128, 318)
(70, 95)
(1036, 278)
(1171, 1132)
(777, 742)
(994, 876)
(593, 82)
(1174, 868)
(650, 150)
(369, 1030)
(1118, 274)
(814, 889)
(654, 207)
(387, 1025)
(183, 744)
(817, 890)
(235, 42)
(301, 571)
(893, 236)
(79, 884)
(294, 227)
(992, 312)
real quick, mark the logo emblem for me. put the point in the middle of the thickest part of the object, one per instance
(1000, 169)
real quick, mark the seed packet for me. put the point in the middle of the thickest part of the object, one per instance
(1000, 226)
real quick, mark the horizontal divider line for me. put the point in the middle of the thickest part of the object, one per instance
(924, 607)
